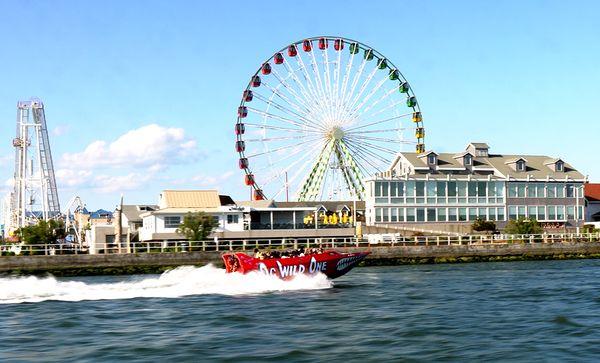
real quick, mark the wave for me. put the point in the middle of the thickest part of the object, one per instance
(182, 281)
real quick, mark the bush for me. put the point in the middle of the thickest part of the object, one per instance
(523, 226)
(197, 226)
(480, 225)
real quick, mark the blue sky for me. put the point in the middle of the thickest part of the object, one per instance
(120, 77)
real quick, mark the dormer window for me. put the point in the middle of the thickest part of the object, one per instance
(560, 166)
(432, 159)
(520, 165)
(468, 160)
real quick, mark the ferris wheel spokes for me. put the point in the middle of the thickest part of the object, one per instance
(324, 120)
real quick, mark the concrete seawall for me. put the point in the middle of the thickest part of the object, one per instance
(66, 265)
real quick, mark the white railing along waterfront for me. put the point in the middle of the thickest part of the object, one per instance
(379, 240)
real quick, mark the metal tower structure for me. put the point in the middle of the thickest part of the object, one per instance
(35, 195)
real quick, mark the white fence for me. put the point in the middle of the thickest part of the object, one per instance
(373, 240)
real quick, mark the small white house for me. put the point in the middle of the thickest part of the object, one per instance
(173, 205)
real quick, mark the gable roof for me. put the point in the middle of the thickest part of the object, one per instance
(553, 161)
(190, 199)
(426, 153)
(514, 160)
(592, 192)
(266, 203)
(463, 154)
(133, 212)
(500, 165)
(101, 213)
(478, 145)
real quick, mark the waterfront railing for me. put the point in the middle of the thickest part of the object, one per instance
(377, 240)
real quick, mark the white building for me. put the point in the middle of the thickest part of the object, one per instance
(264, 219)
(449, 191)
(173, 205)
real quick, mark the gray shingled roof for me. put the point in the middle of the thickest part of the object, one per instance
(479, 145)
(537, 167)
(133, 212)
(267, 203)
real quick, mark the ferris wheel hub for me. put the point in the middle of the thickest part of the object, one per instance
(336, 133)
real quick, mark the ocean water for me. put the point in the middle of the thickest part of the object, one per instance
(521, 311)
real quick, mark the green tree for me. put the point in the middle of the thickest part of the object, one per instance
(523, 226)
(480, 225)
(44, 232)
(197, 226)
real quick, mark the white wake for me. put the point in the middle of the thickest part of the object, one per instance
(181, 281)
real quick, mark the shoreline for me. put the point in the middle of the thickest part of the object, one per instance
(154, 263)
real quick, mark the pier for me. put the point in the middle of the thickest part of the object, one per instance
(156, 257)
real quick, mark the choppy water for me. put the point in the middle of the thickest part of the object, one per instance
(525, 311)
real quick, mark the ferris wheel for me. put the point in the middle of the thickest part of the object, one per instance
(319, 116)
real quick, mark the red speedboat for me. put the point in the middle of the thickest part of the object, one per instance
(331, 263)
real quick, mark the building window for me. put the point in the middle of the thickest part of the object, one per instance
(520, 165)
(500, 214)
(560, 190)
(400, 214)
(431, 159)
(386, 215)
(521, 190)
(552, 213)
(410, 214)
(431, 215)
(570, 212)
(532, 190)
(420, 188)
(232, 219)
(570, 191)
(441, 214)
(541, 213)
(452, 215)
(560, 212)
(468, 159)
(512, 212)
(394, 215)
(492, 214)
(560, 166)
(541, 190)
(472, 214)
(551, 191)
(462, 214)
(420, 215)
(482, 213)
(172, 221)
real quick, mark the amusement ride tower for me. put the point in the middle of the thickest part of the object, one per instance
(35, 195)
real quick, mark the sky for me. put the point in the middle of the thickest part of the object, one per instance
(141, 96)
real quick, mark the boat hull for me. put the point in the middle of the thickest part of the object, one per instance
(331, 263)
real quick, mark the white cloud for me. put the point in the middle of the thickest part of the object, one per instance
(148, 146)
(145, 153)
(119, 183)
(101, 183)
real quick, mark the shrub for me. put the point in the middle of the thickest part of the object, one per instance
(197, 226)
(523, 226)
(480, 225)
